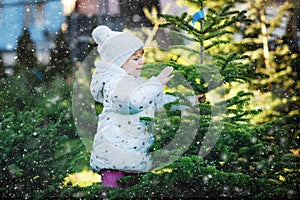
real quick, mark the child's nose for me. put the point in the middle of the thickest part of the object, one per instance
(141, 61)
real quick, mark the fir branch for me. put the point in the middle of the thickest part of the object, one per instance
(196, 2)
(230, 21)
(226, 59)
(243, 116)
(240, 98)
(219, 57)
(215, 34)
(224, 9)
(212, 11)
(179, 21)
(209, 23)
(235, 78)
(230, 13)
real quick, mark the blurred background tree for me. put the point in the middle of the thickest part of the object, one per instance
(26, 57)
(60, 59)
(270, 42)
(2, 68)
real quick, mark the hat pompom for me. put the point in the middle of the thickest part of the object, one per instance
(101, 33)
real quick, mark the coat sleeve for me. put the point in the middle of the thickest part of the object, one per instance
(128, 96)
(96, 86)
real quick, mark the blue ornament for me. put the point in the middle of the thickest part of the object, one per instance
(197, 16)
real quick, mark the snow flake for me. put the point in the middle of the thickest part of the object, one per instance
(224, 156)
(282, 140)
(253, 140)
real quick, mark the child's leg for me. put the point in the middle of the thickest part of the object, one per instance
(110, 178)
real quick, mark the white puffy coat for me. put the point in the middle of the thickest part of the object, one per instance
(122, 140)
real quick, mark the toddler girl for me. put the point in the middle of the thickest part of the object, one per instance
(122, 141)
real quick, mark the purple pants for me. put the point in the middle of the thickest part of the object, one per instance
(110, 178)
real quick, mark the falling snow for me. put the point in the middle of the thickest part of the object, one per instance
(46, 107)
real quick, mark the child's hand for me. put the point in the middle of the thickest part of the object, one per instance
(165, 75)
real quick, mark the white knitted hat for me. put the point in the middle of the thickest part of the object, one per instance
(115, 47)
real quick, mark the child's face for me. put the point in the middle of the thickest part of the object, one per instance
(134, 64)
